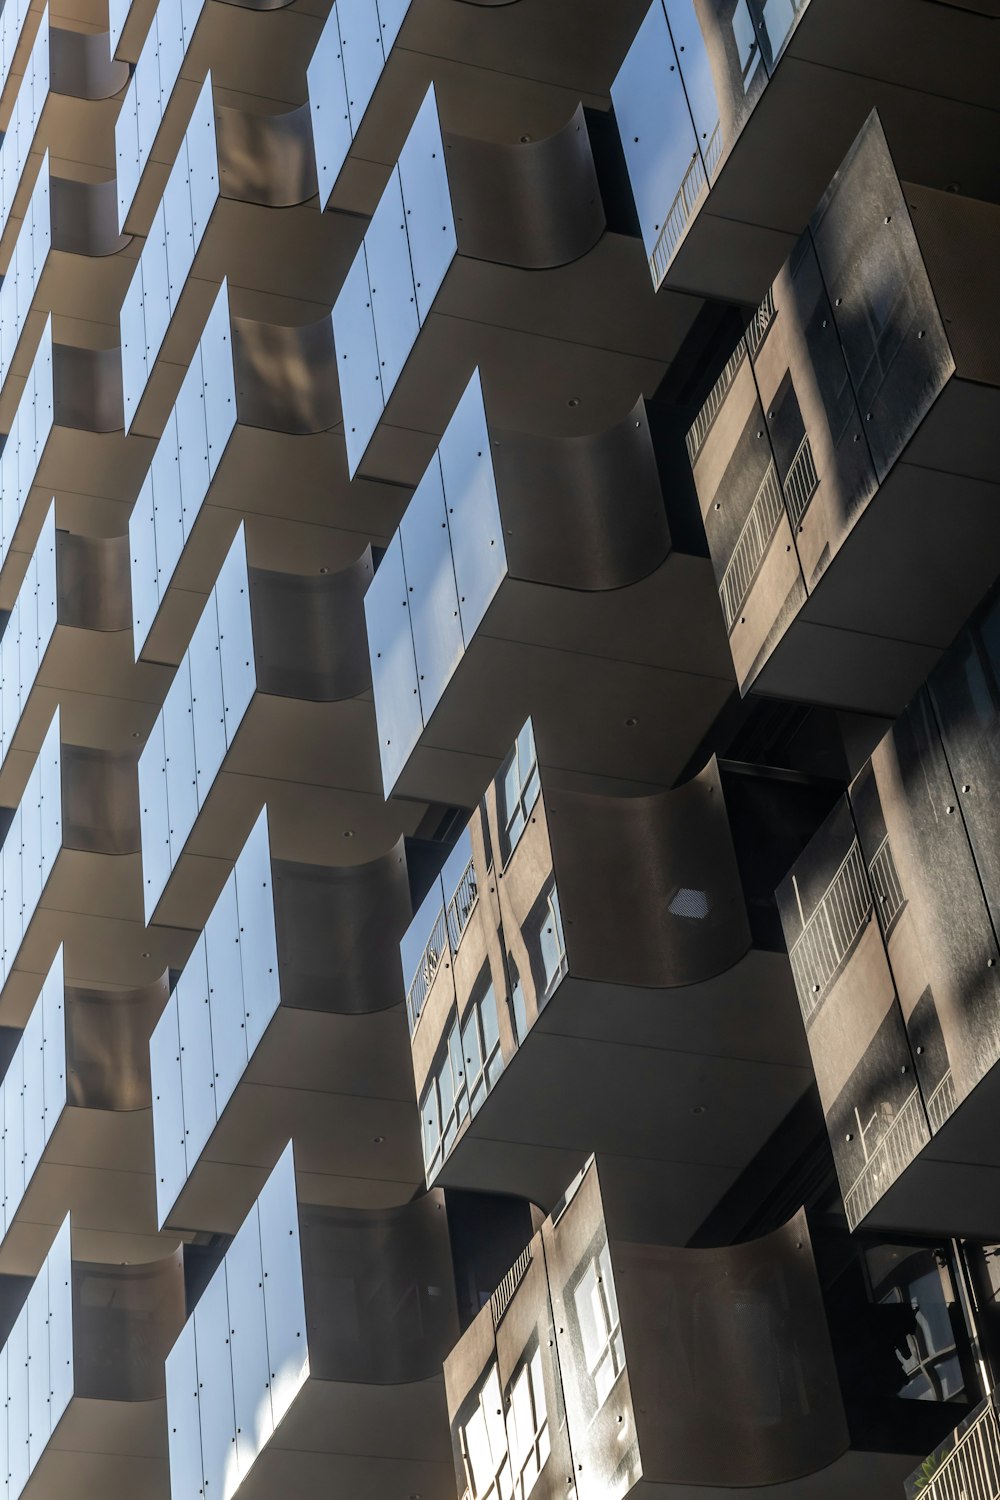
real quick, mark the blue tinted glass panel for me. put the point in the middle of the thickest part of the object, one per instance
(34, 1091)
(203, 162)
(54, 1030)
(197, 1065)
(206, 699)
(394, 668)
(178, 739)
(430, 220)
(284, 1297)
(391, 15)
(357, 361)
(60, 1323)
(192, 438)
(430, 589)
(153, 817)
(142, 559)
(473, 508)
(258, 943)
(225, 980)
(168, 1109)
(168, 512)
(251, 1371)
(17, 1404)
(155, 287)
(39, 1428)
(215, 1381)
(361, 38)
(331, 121)
(220, 379)
(390, 280)
(183, 1418)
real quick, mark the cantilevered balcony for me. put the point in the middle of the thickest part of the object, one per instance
(286, 1022)
(733, 116)
(270, 703)
(259, 400)
(846, 462)
(607, 1364)
(966, 1464)
(594, 970)
(484, 254)
(83, 1375)
(891, 917)
(66, 643)
(71, 876)
(313, 1358)
(77, 1132)
(537, 574)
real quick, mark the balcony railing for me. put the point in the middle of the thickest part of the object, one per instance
(801, 482)
(461, 905)
(500, 1301)
(942, 1102)
(885, 884)
(700, 427)
(897, 1148)
(971, 1471)
(753, 541)
(434, 952)
(679, 214)
(831, 931)
(760, 322)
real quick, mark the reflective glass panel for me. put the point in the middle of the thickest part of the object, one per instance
(430, 219)
(258, 943)
(394, 667)
(187, 1477)
(390, 280)
(331, 121)
(197, 1063)
(225, 979)
(431, 593)
(284, 1298)
(251, 1371)
(168, 1109)
(473, 508)
(215, 1381)
(357, 361)
(360, 34)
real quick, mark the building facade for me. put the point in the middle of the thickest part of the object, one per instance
(499, 749)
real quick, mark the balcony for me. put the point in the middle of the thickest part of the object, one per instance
(83, 1375)
(602, 970)
(451, 275)
(850, 433)
(69, 624)
(285, 1022)
(216, 216)
(966, 1465)
(634, 1366)
(75, 1105)
(258, 400)
(313, 1358)
(733, 117)
(275, 675)
(891, 917)
(535, 570)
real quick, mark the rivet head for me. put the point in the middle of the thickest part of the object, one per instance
(849, 1136)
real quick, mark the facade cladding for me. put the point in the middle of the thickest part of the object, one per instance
(499, 749)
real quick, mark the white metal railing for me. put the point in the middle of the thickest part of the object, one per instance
(699, 429)
(760, 322)
(680, 211)
(800, 482)
(461, 905)
(942, 1102)
(896, 1149)
(501, 1298)
(751, 544)
(885, 883)
(434, 951)
(830, 932)
(971, 1471)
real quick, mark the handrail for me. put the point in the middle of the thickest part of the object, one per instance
(897, 1148)
(801, 482)
(502, 1297)
(830, 932)
(971, 1471)
(751, 544)
(680, 211)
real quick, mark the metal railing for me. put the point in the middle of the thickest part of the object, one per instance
(501, 1298)
(434, 951)
(801, 482)
(942, 1102)
(680, 211)
(699, 429)
(971, 1471)
(760, 322)
(831, 931)
(896, 1149)
(461, 905)
(885, 883)
(751, 544)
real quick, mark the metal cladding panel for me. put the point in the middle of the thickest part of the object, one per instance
(658, 137)
(187, 1475)
(284, 1294)
(133, 346)
(147, 94)
(39, 1420)
(215, 1389)
(361, 48)
(194, 1021)
(53, 1006)
(13, 1134)
(168, 504)
(170, 46)
(49, 796)
(192, 443)
(32, 862)
(431, 592)
(207, 708)
(393, 662)
(178, 743)
(331, 120)
(239, 669)
(60, 1323)
(142, 565)
(18, 1442)
(191, 11)
(430, 217)
(203, 162)
(32, 1045)
(156, 308)
(154, 817)
(168, 1109)
(390, 281)
(357, 361)
(225, 987)
(248, 1330)
(4, 1462)
(12, 19)
(474, 523)
(258, 940)
(219, 375)
(722, 65)
(178, 218)
(391, 14)
(13, 906)
(895, 345)
(118, 14)
(129, 169)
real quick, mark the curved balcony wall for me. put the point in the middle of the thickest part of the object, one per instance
(638, 1367)
(276, 674)
(258, 399)
(585, 971)
(840, 445)
(891, 919)
(715, 102)
(438, 287)
(65, 439)
(539, 571)
(76, 1112)
(285, 1022)
(298, 1328)
(82, 1371)
(64, 96)
(70, 623)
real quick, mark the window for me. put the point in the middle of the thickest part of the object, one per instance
(518, 1006)
(481, 1047)
(484, 1445)
(445, 1103)
(600, 1328)
(505, 1444)
(552, 944)
(527, 1426)
(519, 787)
